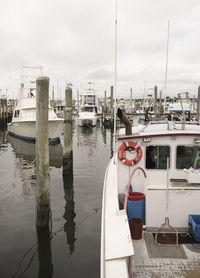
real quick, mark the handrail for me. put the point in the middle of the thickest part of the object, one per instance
(129, 183)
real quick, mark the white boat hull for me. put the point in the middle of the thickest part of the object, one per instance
(26, 130)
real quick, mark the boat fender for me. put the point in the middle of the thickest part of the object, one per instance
(130, 146)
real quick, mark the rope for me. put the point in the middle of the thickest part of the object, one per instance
(55, 133)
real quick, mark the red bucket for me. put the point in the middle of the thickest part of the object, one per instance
(136, 226)
(135, 196)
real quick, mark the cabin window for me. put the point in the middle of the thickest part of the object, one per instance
(87, 109)
(16, 115)
(156, 157)
(187, 157)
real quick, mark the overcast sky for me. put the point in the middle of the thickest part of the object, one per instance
(74, 40)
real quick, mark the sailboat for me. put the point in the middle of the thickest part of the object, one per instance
(23, 124)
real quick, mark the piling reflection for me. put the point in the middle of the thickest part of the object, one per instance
(44, 253)
(69, 213)
(3, 139)
(111, 142)
(104, 134)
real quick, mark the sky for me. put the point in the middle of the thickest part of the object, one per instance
(74, 41)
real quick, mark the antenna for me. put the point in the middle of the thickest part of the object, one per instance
(115, 86)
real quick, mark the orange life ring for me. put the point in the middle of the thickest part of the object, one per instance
(129, 146)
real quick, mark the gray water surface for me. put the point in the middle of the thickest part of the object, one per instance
(71, 247)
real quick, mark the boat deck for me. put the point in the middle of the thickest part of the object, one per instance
(157, 261)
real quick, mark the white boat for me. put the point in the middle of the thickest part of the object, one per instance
(23, 123)
(176, 107)
(141, 159)
(181, 105)
(87, 109)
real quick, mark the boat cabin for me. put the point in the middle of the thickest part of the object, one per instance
(146, 152)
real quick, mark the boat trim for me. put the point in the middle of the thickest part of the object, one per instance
(52, 141)
(156, 135)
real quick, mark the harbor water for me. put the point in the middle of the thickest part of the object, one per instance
(71, 247)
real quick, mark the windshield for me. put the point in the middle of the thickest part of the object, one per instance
(87, 109)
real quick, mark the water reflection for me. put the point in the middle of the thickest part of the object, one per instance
(25, 163)
(44, 253)
(26, 151)
(111, 142)
(3, 139)
(69, 214)
(104, 134)
(87, 137)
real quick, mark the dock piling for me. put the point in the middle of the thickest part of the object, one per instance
(198, 104)
(68, 144)
(155, 102)
(104, 107)
(42, 152)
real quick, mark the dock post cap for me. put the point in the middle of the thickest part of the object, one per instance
(43, 78)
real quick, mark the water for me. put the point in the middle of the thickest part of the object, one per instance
(72, 246)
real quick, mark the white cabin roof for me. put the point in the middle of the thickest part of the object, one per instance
(169, 128)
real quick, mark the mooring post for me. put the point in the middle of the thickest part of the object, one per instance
(198, 104)
(78, 100)
(42, 152)
(67, 146)
(155, 102)
(53, 93)
(131, 92)
(111, 104)
(104, 107)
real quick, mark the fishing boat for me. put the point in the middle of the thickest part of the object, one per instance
(87, 115)
(23, 124)
(160, 163)
(177, 108)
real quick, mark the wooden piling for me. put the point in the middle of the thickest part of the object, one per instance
(198, 104)
(155, 102)
(42, 152)
(53, 93)
(111, 104)
(68, 144)
(69, 214)
(131, 92)
(78, 100)
(104, 107)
